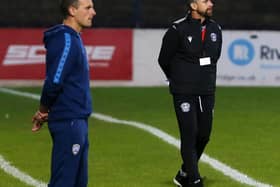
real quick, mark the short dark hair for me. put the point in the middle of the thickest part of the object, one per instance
(65, 4)
(189, 2)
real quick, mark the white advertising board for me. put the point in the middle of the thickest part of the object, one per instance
(250, 58)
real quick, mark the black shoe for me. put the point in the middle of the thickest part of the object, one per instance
(181, 179)
(196, 183)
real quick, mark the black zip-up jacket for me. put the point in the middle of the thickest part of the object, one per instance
(181, 51)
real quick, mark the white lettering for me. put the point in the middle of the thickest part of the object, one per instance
(24, 54)
(100, 52)
(36, 51)
(241, 52)
(35, 54)
(17, 51)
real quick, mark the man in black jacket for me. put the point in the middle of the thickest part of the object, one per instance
(189, 53)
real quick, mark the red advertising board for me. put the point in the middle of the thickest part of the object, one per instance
(22, 53)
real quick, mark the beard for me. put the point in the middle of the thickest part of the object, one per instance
(207, 13)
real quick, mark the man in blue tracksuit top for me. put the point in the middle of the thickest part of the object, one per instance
(66, 99)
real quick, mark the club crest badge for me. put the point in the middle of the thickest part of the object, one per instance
(75, 149)
(213, 37)
(185, 107)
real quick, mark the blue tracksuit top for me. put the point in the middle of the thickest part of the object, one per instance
(66, 90)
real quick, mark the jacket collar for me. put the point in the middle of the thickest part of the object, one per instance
(190, 18)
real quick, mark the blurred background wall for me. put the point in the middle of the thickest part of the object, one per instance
(237, 14)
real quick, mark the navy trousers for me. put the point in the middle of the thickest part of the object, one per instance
(194, 115)
(69, 163)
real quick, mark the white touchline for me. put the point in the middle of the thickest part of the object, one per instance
(11, 170)
(217, 165)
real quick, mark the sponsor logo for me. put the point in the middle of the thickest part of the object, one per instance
(75, 149)
(241, 52)
(190, 38)
(269, 53)
(100, 55)
(35, 54)
(24, 54)
(270, 57)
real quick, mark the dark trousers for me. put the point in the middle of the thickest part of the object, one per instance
(69, 164)
(194, 115)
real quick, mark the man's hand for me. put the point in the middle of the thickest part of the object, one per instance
(38, 119)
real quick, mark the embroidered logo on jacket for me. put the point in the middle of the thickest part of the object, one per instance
(190, 38)
(75, 149)
(213, 37)
(185, 107)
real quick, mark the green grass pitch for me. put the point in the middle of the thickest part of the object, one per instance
(245, 136)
